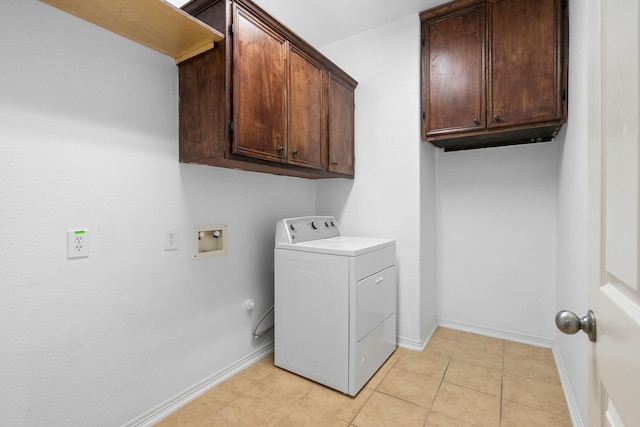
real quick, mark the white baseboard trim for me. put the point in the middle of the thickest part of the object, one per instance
(154, 415)
(574, 412)
(497, 333)
(416, 345)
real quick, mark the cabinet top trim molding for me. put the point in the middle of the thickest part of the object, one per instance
(194, 7)
(155, 24)
(443, 9)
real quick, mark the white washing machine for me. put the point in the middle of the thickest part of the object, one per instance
(335, 302)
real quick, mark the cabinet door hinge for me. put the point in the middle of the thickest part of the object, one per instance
(230, 29)
(422, 42)
(230, 127)
(424, 115)
(563, 94)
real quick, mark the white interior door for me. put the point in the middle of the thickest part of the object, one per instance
(614, 165)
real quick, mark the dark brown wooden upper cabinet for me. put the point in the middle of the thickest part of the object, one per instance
(494, 72)
(306, 145)
(454, 64)
(259, 88)
(341, 131)
(260, 101)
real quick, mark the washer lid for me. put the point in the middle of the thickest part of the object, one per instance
(341, 245)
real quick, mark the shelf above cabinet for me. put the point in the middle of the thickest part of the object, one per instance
(155, 24)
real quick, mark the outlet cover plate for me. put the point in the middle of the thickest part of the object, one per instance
(170, 240)
(77, 244)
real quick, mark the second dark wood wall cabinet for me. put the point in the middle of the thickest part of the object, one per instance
(494, 72)
(264, 100)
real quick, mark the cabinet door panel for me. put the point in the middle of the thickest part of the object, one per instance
(341, 132)
(454, 84)
(306, 134)
(525, 62)
(259, 88)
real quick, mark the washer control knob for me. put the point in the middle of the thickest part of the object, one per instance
(314, 225)
(293, 227)
(333, 224)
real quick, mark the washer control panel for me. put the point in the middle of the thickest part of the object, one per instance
(303, 229)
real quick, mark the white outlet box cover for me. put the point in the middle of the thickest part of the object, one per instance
(170, 240)
(77, 243)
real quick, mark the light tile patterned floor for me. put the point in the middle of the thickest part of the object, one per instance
(460, 379)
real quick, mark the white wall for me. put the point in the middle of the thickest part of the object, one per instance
(497, 238)
(88, 139)
(428, 238)
(384, 200)
(572, 289)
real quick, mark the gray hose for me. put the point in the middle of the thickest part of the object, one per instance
(255, 335)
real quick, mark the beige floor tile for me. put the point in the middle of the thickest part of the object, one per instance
(448, 333)
(467, 405)
(288, 383)
(470, 367)
(401, 351)
(475, 377)
(409, 386)
(383, 410)
(527, 350)
(309, 412)
(334, 404)
(394, 356)
(271, 395)
(472, 353)
(424, 363)
(482, 341)
(516, 415)
(441, 345)
(258, 406)
(537, 394)
(224, 393)
(436, 419)
(193, 415)
(259, 370)
(528, 367)
(301, 415)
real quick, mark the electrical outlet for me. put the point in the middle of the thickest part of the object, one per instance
(77, 243)
(170, 240)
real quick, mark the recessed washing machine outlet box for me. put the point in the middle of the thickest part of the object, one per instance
(209, 241)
